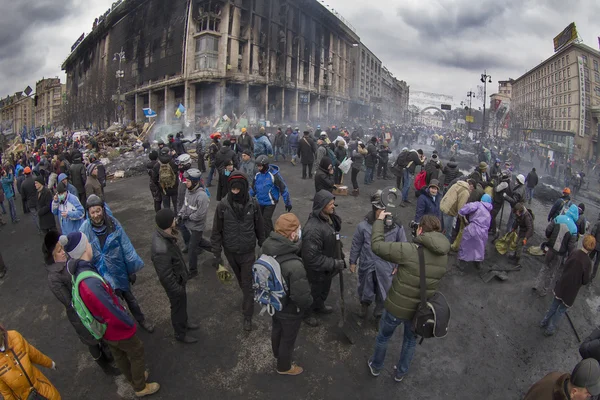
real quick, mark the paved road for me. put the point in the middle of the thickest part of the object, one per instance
(494, 349)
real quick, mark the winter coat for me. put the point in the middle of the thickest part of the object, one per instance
(75, 214)
(269, 186)
(404, 295)
(13, 384)
(169, 263)
(569, 218)
(590, 348)
(321, 152)
(455, 198)
(517, 195)
(7, 186)
(358, 157)
(246, 143)
(323, 180)
(262, 146)
(413, 160)
(78, 175)
(224, 155)
(44, 209)
(103, 304)
(306, 150)
(249, 168)
(524, 225)
(298, 297)
(117, 259)
(371, 157)
(596, 233)
(234, 234)
(156, 175)
(481, 178)
(222, 186)
(427, 205)
(557, 207)
(29, 192)
(93, 186)
(318, 239)
(560, 238)
(532, 179)
(451, 172)
(195, 208)
(279, 140)
(340, 152)
(101, 172)
(576, 273)
(70, 188)
(432, 170)
(362, 254)
(472, 245)
(384, 155)
(293, 140)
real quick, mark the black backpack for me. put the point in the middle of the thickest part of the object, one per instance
(433, 314)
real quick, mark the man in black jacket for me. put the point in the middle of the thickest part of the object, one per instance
(283, 244)
(371, 161)
(532, 181)
(224, 155)
(319, 248)
(324, 176)
(306, 152)
(169, 193)
(237, 227)
(46, 221)
(172, 272)
(29, 194)
(78, 176)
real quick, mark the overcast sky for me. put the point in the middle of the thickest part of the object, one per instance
(439, 46)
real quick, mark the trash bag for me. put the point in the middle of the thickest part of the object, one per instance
(224, 275)
(507, 242)
(345, 165)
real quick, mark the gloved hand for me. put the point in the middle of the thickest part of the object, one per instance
(339, 265)
(224, 275)
(216, 262)
(132, 278)
(288, 208)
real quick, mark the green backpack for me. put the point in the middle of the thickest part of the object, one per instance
(95, 327)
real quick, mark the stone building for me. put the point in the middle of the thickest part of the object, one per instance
(16, 113)
(48, 101)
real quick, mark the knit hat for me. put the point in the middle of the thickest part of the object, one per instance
(226, 143)
(74, 244)
(247, 152)
(61, 188)
(40, 180)
(486, 198)
(164, 218)
(483, 165)
(91, 168)
(325, 162)
(586, 374)
(286, 224)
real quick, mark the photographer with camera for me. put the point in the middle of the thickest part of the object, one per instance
(404, 295)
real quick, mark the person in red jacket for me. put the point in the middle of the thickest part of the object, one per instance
(103, 304)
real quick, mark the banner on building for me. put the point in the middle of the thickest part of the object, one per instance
(581, 97)
(568, 35)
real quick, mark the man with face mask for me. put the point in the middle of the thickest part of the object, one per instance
(69, 210)
(237, 227)
(193, 215)
(283, 244)
(114, 255)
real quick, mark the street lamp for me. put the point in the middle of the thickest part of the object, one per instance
(120, 56)
(485, 78)
(470, 95)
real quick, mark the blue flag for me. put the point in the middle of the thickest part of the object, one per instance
(149, 113)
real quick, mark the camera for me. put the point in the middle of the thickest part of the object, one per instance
(388, 220)
(413, 228)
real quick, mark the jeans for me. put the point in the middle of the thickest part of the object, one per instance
(211, 173)
(12, 209)
(168, 199)
(448, 222)
(387, 326)
(306, 167)
(197, 244)
(530, 193)
(406, 180)
(294, 153)
(241, 264)
(185, 233)
(279, 150)
(132, 304)
(369, 175)
(34, 216)
(555, 312)
(283, 337)
(3, 209)
(129, 357)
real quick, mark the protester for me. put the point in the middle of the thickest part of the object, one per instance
(581, 221)
(184, 163)
(17, 359)
(283, 244)
(324, 179)
(306, 152)
(532, 182)
(455, 198)
(480, 174)
(384, 155)
(245, 141)
(247, 166)
(524, 226)
(371, 161)
(154, 188)
(279, 144)
(69, 210)
(478, 218)
(580, 384)
(450, 172)
(407, 162)
(46, 219)
(164, 176)
(213, 149)
(29, 194)
(172, 273)
(78, 176)
(113, 255)
(403, 297)
(516, 196)
(319, 248)
(576, 273)
(498, 199)
(429, 202)
(268, 187)
(560, 205)
(99, 298)
(92, 184)
(224, 156)
(237, 228)
(224, 174)
(70, 188)
(340, 155)
(374, 274)
(9, 194)
(595, 254)
(358, 160)
(262, 145)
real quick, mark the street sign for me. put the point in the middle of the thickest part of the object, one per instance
(446, 107)
(28, 90)
(469, 118)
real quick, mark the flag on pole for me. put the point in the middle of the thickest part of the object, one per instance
(180, 110)
(149, 113)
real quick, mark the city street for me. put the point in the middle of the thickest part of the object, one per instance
(494, 349)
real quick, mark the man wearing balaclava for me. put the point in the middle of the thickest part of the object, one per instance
(237, 227)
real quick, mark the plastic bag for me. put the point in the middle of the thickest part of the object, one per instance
(506, 243)
(345, 165)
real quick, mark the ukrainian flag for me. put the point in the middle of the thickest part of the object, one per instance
(180, 111)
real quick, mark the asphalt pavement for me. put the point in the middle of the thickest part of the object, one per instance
(494, 349)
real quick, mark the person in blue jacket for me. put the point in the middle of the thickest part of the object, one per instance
(69, 210)
(114, 255)
(70, 188)
(262, 144)
(268, 186)
(429, 202)
(9, 193)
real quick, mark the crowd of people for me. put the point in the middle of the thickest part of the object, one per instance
(92, 264)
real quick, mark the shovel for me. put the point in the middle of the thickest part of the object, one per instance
(348, 325)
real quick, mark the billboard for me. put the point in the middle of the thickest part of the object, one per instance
(566, 36)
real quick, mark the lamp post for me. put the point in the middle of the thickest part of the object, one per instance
(470, 95)
(485, 78)
(120, 56)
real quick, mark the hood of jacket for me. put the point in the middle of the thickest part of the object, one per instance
(434, 242)
(573, 212)
(274, 169)
(62, 177)
(277, 245)
(321, 199)
(452, 165)
(224, 150)
(55, 267)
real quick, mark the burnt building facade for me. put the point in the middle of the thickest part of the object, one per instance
(277, 60)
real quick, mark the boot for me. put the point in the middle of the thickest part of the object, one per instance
(150, 388)
(295, 370)
(187, 339)
(362, 313)
(311, 321)
(247, 324)
(148, 327)
(355, 192)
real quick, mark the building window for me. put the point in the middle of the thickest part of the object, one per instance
(567, 59)
(207, 52)
(569, 99)
(595, 65)
(564, 125)
(584, 57)
(569, 112)
(597, 76)
(569, 85)
(569, 125)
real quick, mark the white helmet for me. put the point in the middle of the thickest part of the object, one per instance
(521, 179)
(184, 160)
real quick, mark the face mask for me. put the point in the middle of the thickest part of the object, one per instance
(62, 198)
(227, 173)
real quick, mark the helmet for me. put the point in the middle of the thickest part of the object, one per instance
(376, 200)
(93, 201)
(164, 152)
(193, 174)
(521, 179)
(262, 160)
(184, 160)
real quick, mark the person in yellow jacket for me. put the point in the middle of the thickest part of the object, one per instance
(13, 382)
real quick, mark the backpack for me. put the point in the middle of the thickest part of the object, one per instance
(402, 160)
(420, 180)
(433, 314)
(270, 289)
(95, 327)
(166, 176)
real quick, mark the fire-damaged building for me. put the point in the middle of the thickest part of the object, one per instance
(277, 60)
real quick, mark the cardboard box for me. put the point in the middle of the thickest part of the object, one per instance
(340, 191)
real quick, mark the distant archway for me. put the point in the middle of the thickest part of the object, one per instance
(434, 108)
